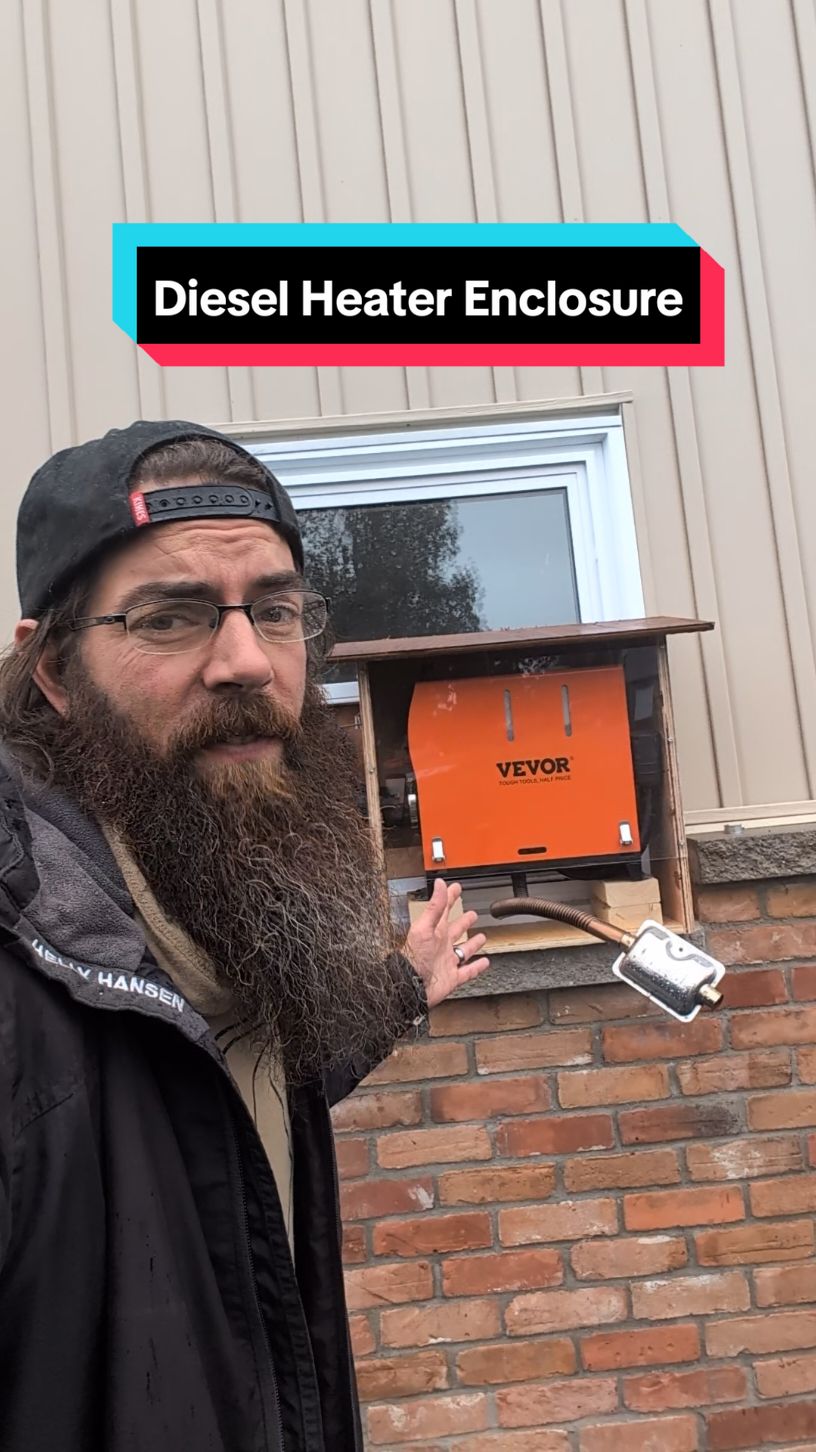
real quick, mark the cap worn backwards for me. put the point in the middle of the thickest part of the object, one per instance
(80, 502)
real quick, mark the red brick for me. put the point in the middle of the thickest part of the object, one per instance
(785, 1286)
(433, 1234)
(362, 1336)
(378, 1111)
(489, 1100)
(710, 1120)
(791, 1109)
(772, 1331)
(476, 1320)
(534, 1051)
(555, 1401)
(726, 904)
(630, 1256)
(703, 1295)
(762, 943)
(536, 1441)
(486, 1015)
(598, 1003)
(665, 1039)
(354, 1244)
(584, 1088)
(545, 1311)
(757, 1244)
(515, 1361)
(352, 1158)
(784, 1197)
(668, 1208)
(803, 981)
(512, 1270)
(491, 1186)
(664, 1434)
(402, 1376)
(615, 1172)
(663, 1391)
(654, 1346)
(759, 1069)
(753, 988)
(381, 1285)
(751, 1427)
(564, 1220)
(420, 1062)
(786, 1376)
(375, 1198)
(774, 1026)
(792, 899)
(806, 1065)
(435, 1417)
(565, 1134)
(744, 1158)
(407, 1147)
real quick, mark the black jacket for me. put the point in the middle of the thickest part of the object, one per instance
(147, 1297)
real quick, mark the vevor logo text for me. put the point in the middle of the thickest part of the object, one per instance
(539, 766)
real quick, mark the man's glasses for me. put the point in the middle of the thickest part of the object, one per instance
(167, 627)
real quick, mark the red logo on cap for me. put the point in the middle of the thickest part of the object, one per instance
(139, 509)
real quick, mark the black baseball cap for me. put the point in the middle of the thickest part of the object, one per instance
(80, 503)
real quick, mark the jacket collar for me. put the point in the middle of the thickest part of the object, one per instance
(65, 908)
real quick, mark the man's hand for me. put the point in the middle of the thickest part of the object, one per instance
(430, 945)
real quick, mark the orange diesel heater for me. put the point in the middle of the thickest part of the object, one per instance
(517, 771)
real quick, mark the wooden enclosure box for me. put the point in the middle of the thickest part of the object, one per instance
(388, 672)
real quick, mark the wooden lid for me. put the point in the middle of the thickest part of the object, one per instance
(624, 632)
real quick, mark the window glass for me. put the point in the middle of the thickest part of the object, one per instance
(444, 566)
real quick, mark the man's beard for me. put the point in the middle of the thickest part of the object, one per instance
(268, 868)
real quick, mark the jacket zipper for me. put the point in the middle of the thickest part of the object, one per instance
(255, 1299)
(351, 1376)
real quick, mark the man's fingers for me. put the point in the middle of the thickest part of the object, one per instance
(460, 927)
(437, 904)
(472, 969)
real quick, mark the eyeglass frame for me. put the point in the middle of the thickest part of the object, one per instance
(121, 617)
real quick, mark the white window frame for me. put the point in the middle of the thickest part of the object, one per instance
(587, 457)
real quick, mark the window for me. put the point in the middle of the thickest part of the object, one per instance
(478, 527)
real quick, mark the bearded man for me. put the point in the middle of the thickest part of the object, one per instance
(196, 959)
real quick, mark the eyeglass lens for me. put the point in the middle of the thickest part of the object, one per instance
(173, 625)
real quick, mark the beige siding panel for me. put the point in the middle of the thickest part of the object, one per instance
(50, 250)
(382, 390)
(777, 126)
(151, 382)
(177, 156)
(347, 112)
(566, 141)
(222, 165)
(438, 152)
(729, 437)
(457, 110)
(607, 135)
(525, 176)
(89, 198)
(675, 587)
(395, 155)
(22, 364)
(266, 179)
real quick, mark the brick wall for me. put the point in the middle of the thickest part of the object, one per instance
(575, 1225)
